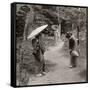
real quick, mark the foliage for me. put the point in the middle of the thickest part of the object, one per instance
(29, 16)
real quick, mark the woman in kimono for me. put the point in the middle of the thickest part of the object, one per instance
(73, 49)
(38, 52)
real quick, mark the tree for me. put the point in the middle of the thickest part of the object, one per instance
(31, 16)
(20, 19)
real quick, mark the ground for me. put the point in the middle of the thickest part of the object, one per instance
(57, 61)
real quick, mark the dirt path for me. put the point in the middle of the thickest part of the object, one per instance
(59, 68)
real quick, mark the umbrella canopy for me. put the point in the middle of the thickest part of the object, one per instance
(37, 31)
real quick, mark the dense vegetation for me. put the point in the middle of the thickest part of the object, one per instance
(29, 17)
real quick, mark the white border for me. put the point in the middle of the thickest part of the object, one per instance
(5, 44)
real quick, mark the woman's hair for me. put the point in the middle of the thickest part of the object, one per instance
(68, 35)
(39, 35)
(34, 40)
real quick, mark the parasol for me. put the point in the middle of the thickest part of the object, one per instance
(37, 31)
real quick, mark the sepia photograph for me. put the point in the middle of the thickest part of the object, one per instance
(51, 44)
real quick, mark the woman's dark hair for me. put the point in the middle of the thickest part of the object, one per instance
(34, 40)
(37, 36)
(68, 35)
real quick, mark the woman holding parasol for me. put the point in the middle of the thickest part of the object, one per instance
(38, 48)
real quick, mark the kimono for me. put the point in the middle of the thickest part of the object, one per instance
(73, 50)
(38, 52)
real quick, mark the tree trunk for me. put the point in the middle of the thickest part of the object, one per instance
(29, 20)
